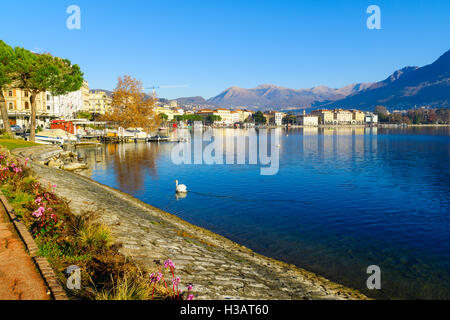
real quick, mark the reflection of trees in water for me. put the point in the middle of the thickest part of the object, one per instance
(132, 162)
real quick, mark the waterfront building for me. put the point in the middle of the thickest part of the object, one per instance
(243, 114)
(225, 115)
(65, 106)
(169, 112)
(358, 117)
(19, 107)
(307, 120)
(85, 94)
(371, 118)
(274, 118)
(325, 116)
(205, 112)
(99, 102)
(342, 117)
(339, 117)
(236, 116)
(279, 118)
(164, 110)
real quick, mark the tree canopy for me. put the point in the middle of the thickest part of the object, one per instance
(259, 118)
(130, 107)
(6, 57)
(213, 118)
(290, 118)
(38, 73)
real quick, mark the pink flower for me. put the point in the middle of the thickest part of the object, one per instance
(169, 263)
(38, 200)
(190, 297)
(189, 287)
(155, 277)
(176, 281)
(39, 212)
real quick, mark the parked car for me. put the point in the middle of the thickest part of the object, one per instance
(17, 129)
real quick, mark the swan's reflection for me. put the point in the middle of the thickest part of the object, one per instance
(180, 196)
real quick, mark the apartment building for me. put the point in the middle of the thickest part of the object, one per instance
(243, 114)
(85, 94)
(225, 115)
(371, 118)
(65, 106)
(274, 118)
(325, 116)
(99, 102)
(339, 117)
(307, 120)
(18, 106)
(359, 117)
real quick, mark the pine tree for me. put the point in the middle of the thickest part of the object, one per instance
(38, 73)
(6, 57)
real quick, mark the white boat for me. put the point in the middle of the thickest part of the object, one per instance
(135, 133)
(55, 136)
(48, 140)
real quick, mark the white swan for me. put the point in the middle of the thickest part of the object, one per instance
(180, 188)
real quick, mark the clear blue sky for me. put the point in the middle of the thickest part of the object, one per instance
(212, 45)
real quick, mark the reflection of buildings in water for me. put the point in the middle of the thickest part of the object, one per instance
(233, 144)
(359, 131)
(131, 161)
(370, 140)
(344, 131)
(342, 142)
(310, 136)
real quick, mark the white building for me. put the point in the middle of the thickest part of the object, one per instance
(307, 120)
(278, 118)
(371, 118)
(66, 106)
(225, 115)
(236, 116)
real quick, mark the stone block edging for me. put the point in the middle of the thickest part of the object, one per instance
(41, 263)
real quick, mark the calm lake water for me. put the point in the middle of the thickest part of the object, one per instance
(343, 199)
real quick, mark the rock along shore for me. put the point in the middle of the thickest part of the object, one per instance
(217, 267)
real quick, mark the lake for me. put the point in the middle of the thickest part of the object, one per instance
(342, 199)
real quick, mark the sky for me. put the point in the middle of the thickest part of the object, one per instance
(208, 46)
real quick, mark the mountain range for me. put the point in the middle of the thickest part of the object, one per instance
(405, 88)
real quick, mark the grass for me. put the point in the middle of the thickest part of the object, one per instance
(12, 144)
(128, 287)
